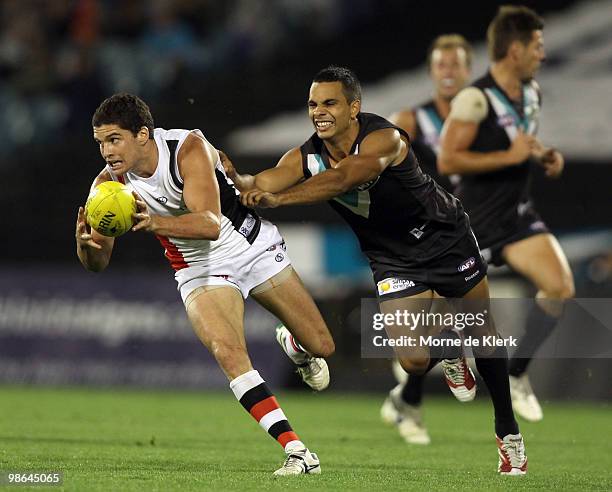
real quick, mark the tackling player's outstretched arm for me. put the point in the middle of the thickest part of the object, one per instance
(93, 249)
(287, 172)
(196, 161)
(377, 151)
(468, 109)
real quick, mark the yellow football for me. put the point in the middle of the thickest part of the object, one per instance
(109, 207)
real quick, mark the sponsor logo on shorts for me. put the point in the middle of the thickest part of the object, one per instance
(162, 199)
(470, 277)
(280, 245)
(467, 264)
(389, 285)
(279, 257)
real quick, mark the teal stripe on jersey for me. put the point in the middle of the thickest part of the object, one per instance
(435, 119)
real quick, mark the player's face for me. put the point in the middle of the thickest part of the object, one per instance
(119, 147)
(449, 71)
(329, 110)
(531, 56)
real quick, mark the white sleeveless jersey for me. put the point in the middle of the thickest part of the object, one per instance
(163, 194)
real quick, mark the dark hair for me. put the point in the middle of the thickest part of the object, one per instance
(127, 111)
(512, 23)
(450, 42)
(350, 84)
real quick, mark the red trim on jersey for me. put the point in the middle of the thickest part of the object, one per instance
(121, 179)
(287, 437)
(264, 407)
(177, 261)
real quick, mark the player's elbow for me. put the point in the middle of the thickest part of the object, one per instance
(215, 232)
(340, 181)
(213, 229)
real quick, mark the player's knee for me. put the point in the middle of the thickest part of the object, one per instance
(327, 347)
(562, 290)
(231, 358)
(414, 365)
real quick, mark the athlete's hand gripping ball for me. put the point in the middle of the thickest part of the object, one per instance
(142, 217)
(83, 232)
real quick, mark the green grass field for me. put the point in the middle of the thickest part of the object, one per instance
(132, 440)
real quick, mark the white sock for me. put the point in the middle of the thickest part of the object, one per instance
(293, 446)
(295, 351)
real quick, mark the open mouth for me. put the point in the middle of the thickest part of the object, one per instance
(448, 83)
(323, 125)
(114, 164)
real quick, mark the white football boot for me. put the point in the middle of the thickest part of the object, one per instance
(459, 378)
(512, 457)
(407, 417)
(524, 401)
(313, 370)
(299, 462)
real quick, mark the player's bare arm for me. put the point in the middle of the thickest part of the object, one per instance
(378, 150)
(406, 120)
(468, 109)
(196, 161)
(93, 249)
(287, 172)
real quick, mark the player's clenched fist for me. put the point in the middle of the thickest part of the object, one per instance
(258, 198)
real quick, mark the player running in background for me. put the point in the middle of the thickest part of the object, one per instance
(449, 60)
(416, 236)
(489, 139)
(221, 251)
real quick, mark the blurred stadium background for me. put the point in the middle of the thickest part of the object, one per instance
(240, 70)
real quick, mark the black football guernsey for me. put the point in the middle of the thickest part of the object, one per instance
(403, 217)
(496, 201)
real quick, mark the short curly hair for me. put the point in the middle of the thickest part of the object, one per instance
(127, 111)
(350, 84)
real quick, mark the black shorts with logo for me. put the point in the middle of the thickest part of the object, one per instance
(452, 274)
(529, 223)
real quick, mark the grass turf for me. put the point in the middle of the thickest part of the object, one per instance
(136, 440)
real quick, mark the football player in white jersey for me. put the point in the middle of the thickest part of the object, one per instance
(221, 252)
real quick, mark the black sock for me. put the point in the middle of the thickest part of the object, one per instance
(494, 370)
(446, 350)
(412, 392)
(539, 325)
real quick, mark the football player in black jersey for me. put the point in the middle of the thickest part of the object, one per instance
(449, 60)
(416, 236)
(489, 139)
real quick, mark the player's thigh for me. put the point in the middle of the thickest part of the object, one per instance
(541, 260)
(291, 303)
(216, 316)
